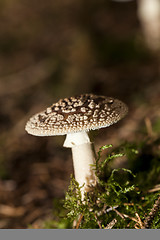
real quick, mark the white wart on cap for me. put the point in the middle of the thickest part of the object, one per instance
(76, 114)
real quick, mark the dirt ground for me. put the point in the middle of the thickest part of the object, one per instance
(55, 49)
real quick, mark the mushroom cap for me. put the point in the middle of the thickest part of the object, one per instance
(80, 113)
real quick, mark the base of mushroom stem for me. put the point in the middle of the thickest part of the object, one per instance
(88, 189)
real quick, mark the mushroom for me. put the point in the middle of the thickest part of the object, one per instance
(149, 16)
(75, 116)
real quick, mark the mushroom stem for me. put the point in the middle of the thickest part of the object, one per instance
(83, 157)
(149, 16)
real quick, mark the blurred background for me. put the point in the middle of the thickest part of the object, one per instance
(55, 49)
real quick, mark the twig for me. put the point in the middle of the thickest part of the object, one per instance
(128, 204)
(79, 221)
(155, 188)
(137, 219)
(132, 218)
(120, 214)
(141, 224)
(104, 210)
(99, 224)
(111, 224)
(148, 220)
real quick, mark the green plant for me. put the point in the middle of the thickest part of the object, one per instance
(115, 190)
(121, 198)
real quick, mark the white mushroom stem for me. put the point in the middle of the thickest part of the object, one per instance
(149, 16)
(83, 158)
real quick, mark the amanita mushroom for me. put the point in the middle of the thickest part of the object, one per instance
(74, 117)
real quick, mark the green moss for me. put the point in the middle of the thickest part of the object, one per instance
(114, 189)
(121, 194)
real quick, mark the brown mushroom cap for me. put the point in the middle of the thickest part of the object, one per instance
(75, 114)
